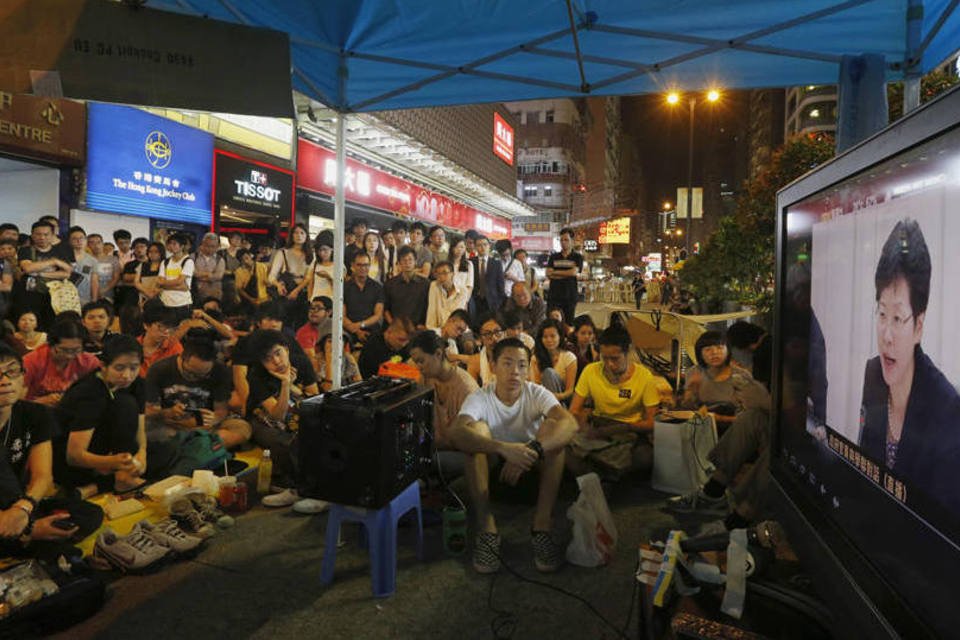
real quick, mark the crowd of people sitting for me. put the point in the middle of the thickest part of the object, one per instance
(164, 345)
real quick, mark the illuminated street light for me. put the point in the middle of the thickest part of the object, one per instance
(673, 98)
(667, 205)
(679, 232)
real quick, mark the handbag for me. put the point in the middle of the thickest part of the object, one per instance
(680, 453)
(288, 279)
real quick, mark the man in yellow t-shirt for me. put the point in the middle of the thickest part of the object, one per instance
(617, 434)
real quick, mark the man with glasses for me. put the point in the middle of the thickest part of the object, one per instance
(27, 516)
(52, 368)
(480, 364)
(186, 392)
(318, 324)
(362, 300)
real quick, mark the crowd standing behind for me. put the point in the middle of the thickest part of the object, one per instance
(145, 349)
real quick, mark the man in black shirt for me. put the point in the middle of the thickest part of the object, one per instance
(359, 229)
(26, 476)
(39, 264)
(563, 268)
(382, 347)
(127, 294)
(186, 392)
(362, 300)
(96, 317)
(488, 283)
(406, 295)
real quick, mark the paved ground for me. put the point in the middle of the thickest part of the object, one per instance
(260, 580)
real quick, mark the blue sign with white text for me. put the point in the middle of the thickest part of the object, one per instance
(144, 165)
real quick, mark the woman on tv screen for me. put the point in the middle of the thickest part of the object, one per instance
(910, 414)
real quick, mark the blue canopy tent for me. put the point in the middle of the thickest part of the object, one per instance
(364, 55)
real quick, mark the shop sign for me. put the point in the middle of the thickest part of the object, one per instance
(654, 262)
(616, 231)
(43, 128)
(123, 52)
(502, 139)
(145, 165)
(248, 185)
(533, 243)
(590, 245)
(317, 171)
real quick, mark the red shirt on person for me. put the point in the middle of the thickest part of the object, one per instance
(169, 347)
(42, 377)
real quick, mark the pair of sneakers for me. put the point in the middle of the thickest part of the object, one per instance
(698, 503)
(198, 515)
(290, 497)
(144, 546)
(547, 556)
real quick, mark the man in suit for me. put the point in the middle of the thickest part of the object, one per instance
(488, 286)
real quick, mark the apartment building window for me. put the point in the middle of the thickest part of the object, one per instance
(547, 192)
(548, 116)
(529, 192)
(533, 117)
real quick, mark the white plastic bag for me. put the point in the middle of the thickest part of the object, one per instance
(594, 532)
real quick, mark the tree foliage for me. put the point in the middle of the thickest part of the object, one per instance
(736, 262)
(931, 85)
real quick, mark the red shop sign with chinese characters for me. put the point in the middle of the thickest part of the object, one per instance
(317, 171)
(502, 139)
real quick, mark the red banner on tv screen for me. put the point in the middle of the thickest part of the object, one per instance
(317, 171)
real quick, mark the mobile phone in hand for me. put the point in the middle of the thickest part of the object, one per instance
(64, 524)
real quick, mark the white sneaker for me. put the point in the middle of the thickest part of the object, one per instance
(310, 506)
(283, 499)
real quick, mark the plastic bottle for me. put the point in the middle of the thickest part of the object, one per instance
(264, 473)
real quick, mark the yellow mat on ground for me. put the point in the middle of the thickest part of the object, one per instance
(152, 511)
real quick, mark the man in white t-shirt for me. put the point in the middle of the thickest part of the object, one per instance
(176, 274)
(522, 425)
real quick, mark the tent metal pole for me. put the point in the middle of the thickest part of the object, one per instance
(911, 71)
(339, 223)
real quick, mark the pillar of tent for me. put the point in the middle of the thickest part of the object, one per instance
(339, 222)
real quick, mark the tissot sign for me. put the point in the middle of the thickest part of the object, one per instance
(247, 185)
(317, 171)
(502, 139)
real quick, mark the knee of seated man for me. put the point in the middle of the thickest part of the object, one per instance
(238, 428)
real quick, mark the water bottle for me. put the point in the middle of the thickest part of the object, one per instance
(264, 473)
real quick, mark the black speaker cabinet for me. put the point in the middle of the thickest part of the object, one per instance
(365, 443)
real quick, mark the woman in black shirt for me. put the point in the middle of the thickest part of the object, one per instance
(103, 415)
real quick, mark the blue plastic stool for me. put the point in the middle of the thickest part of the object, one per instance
(381, 526)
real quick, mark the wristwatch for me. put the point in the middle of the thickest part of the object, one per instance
(536, 447)
(361, 324)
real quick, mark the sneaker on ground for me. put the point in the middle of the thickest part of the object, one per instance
(486, 552)
(189, 519)
(310, 506)
(546, 553)
(206, 506)
(698, 503)
(283, 499)
(129, 553)
(167, 534)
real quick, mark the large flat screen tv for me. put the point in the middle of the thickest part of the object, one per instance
(866, 453)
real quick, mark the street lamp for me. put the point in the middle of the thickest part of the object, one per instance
(673, 98)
